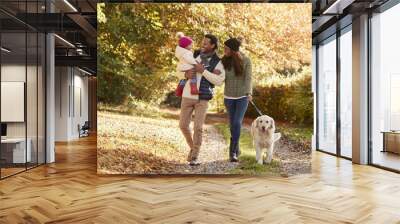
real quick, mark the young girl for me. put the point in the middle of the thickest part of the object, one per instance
(186, 62)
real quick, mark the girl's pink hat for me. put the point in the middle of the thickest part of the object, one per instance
(183, 40)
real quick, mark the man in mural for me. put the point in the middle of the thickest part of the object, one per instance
(209, 72)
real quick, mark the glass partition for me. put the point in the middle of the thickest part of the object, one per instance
(13, 94)
(327, 95)
(346, 92)
(385, 89)
(22, 101)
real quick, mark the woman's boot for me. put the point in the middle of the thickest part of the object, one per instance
(234, 156)
(230, 149)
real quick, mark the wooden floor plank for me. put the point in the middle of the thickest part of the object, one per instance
(70, 191)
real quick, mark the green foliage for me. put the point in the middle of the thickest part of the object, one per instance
(217, 103)
(300, 102)
(285, 98)
(290, 99)
(113, 83)
(134, 50)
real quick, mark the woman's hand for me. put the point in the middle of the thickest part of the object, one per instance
(199, 68)
(250, 98)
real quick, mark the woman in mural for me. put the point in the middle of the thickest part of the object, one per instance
(238, 90)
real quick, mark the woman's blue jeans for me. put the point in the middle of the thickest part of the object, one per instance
(236, 109)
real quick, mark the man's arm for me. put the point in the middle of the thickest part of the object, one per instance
(216, 79)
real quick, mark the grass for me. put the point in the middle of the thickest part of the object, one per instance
(248, 164)
(137, 108)
(297, 134)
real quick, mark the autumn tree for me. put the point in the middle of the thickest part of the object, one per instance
(136, 42)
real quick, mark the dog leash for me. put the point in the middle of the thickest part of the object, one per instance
(258, 110)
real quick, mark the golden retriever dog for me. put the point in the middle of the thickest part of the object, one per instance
(264, 137)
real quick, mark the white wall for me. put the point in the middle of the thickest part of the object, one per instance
(80, 89)
(71, 87)
(62, 81)
(12, 73)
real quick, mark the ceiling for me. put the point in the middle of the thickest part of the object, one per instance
(73, 21)
(331, 15)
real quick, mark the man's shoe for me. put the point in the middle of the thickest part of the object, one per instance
(194, 162)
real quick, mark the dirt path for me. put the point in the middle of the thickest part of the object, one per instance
(213, 155)
(145, 145)
(142, 145)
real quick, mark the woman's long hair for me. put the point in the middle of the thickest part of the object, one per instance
(235, 61)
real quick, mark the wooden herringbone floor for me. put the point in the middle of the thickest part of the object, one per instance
(69, 191)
